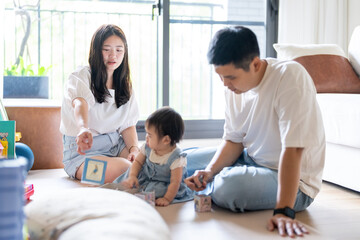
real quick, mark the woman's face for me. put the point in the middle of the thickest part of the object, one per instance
(113, 51)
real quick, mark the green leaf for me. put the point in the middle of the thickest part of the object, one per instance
(41, 71)
(26, 70)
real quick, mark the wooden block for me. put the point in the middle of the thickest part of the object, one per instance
(202, 203)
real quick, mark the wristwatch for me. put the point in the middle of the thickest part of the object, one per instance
(289, 212)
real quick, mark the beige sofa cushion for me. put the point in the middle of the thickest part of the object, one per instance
(292, 51)
(94, 213)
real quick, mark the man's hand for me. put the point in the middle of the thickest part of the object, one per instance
(84, 140)
(286, 226)
(198, 181)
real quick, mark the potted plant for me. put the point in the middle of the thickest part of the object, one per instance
(21, 81)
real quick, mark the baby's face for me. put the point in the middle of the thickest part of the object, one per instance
(153, 140)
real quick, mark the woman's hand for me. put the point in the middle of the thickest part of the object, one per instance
(133, 152)
(84, 140)
(198, 181)
(286, 226)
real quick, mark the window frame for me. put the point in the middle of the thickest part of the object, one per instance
(209, 128)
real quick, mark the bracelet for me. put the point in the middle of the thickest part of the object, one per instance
(134, 146)
(289, 212)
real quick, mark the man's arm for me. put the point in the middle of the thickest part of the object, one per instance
(226, 155)
(288, 177)
(288, 184)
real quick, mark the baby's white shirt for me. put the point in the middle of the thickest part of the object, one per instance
(161, 160)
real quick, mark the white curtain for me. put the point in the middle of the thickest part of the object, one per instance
(314, 21)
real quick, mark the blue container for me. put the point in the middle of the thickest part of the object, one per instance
(26, 87)
(12, 177)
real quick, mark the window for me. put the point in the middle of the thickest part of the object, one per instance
(167, 51)
(195, 89)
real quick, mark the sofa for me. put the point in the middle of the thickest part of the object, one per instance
(336, 77)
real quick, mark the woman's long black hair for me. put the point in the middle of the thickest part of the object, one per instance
(121, 77)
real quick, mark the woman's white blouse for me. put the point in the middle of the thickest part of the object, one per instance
(103, 117)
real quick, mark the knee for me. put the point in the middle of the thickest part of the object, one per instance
(229, 194)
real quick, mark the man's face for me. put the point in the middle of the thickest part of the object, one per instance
(237, 79)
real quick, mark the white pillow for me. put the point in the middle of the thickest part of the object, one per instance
(292, 51)
(354, 50)
(94, 213)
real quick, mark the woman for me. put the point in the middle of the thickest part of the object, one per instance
(99, 110)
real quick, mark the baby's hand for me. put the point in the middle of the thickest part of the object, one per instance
(132, 182)
(163, 202)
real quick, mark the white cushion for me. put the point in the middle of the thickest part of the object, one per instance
(341, 117)
(292, 51)
(94, 213)
(354, 50)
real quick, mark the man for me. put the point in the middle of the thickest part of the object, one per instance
(273, 152)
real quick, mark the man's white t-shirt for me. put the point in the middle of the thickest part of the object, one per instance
(103, 117)
(280, 112)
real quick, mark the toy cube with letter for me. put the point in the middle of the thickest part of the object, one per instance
(202, 203)
(94, 171)
(148, 197)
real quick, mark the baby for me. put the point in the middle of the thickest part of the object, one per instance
(160, 166)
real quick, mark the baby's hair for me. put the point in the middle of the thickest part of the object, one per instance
(167, 121)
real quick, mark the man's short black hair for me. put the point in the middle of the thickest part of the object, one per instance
(167, 121)
(237, 45)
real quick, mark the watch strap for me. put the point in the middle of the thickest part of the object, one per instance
(289, 212)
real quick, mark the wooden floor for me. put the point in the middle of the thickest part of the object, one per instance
(335, 213)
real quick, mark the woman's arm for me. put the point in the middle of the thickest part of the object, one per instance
(173, 188)
(131, 141)
(84, 138)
